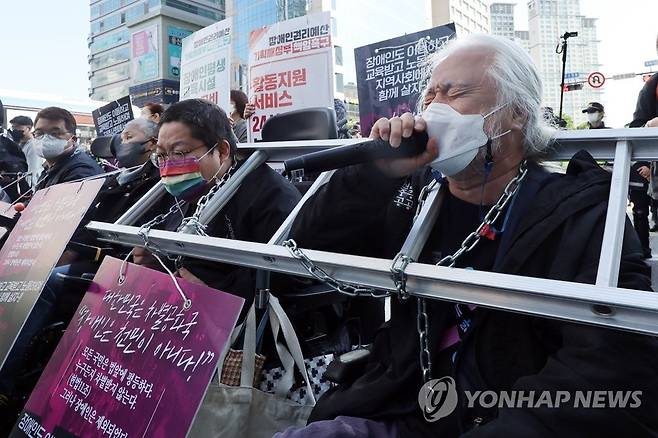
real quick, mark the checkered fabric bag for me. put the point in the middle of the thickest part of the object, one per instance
(233, 368)
(315, 366)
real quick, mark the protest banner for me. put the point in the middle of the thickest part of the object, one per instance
(205, 65)
(110, 119)
(145, 62)
(32, 249)
(389, 74)
(133, 362)
(290, 68)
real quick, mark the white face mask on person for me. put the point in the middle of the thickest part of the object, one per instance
(50, 147)
(459, 136)
(594, 117)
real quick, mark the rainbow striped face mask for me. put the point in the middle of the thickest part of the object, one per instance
(182, 177)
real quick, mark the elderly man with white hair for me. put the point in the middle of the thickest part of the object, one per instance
(481, 111)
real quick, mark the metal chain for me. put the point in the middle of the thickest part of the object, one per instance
(193, 220)
(198, 227)
(320, 274)
(471, 241)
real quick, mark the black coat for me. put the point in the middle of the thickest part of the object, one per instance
(646, 109)
(254, 213)
(555, 232)
(119, 193)
(77, 165)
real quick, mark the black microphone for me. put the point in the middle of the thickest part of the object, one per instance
(348, 155)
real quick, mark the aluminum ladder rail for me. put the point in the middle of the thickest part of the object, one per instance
(600, 304)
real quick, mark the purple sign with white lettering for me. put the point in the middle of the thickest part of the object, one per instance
(33, 248)
(133, 362)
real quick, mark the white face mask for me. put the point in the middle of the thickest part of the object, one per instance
(459, 136)
(50, 147)
(594, 117)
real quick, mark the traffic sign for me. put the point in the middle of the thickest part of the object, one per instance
(573, 75)
(623, 76)
(650, 63)
(596, 79)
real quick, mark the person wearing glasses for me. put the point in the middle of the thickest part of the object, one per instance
(55, 140)
(195, 151)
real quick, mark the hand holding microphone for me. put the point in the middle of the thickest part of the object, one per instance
(397, 147)
(394, 130)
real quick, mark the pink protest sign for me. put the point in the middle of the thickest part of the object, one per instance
(133, 362)
(33, 247)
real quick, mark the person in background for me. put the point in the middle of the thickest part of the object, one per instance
(56, 142)
(21, 131)
(238, 102)
(12, 160)
(152, 111)
(646, 116)
(341, 119)
(595, 113)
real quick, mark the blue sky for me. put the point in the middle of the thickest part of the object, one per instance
(45, 43)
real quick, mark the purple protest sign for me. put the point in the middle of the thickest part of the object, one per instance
(132, 362)
(33, 247)
(389, 73)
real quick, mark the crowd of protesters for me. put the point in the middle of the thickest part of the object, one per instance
(482, 88)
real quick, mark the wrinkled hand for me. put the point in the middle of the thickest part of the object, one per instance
(187, 275)
(644, 172)
(143, 257)
(249, 110)
(393, 130)
(653, 123)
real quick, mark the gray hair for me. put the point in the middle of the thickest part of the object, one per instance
(148, 127)
(517, 83)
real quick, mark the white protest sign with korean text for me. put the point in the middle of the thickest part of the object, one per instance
(205, 65)
(290, 68)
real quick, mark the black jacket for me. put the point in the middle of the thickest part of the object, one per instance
(119, 193)
(645, 109)
(74, 166)
(555, 232)
(254, 213)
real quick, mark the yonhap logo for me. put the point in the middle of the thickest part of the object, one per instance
(438, 398)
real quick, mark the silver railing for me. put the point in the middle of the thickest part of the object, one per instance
(601, 304)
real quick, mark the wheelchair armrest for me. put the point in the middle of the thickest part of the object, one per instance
(83, 280)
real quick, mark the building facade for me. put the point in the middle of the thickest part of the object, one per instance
(469, 16)
(547, 20)
(137, 43)
(502, 19)
(522, 37)
(249, 15)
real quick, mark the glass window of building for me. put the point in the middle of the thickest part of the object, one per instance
(110, 75)
(106, 42)
(339, 82)
(202, 12)
(106, 59)
(338, 55)
(136, 12)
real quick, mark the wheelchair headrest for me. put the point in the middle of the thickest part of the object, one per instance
(105, 146)
(305, 124)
